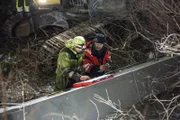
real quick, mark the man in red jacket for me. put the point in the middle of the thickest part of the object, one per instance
(97, 56)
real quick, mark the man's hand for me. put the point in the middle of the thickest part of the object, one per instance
(104, 67)
(84, 77)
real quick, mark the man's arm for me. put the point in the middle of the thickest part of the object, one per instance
(89, 67)
(64, 65)
(107, 57)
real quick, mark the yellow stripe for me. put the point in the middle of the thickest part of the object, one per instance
(17, 4)
(26, 8)
(19, 9)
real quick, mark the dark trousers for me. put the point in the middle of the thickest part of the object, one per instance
(23, 5)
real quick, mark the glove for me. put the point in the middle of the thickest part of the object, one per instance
(84, 77)
(104, 67)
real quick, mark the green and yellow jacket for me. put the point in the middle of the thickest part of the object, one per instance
(69, 63)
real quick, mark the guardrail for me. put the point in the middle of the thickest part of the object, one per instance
(129, 86)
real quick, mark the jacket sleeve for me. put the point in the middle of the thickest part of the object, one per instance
(87, 65)
(64, 65)
(107, 57)
(92, 69)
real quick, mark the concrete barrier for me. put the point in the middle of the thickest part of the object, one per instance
(129, 86)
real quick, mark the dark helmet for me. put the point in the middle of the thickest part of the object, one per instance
(100, 38)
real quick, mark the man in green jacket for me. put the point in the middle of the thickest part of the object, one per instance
(69, 64)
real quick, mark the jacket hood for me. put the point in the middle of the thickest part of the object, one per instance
(69, 44)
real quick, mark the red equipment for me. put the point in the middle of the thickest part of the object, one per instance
(93, 81)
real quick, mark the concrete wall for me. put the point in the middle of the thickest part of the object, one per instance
(129, 86)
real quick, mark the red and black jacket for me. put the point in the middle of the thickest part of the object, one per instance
(94, 59)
